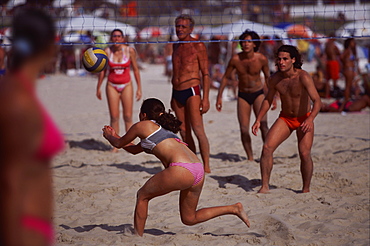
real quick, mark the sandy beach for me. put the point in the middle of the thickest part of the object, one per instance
(95, 189)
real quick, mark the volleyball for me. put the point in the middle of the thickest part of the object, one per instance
(95, 60)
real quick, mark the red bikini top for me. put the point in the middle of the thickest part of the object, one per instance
(119, 72)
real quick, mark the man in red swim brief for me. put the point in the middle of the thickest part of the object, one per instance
(300, 103)
(293, 122)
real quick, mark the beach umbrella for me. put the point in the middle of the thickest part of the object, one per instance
(235, 29)
(152, 32)
(359, 29)
(62, 3)
(298, 30)
(92, 23)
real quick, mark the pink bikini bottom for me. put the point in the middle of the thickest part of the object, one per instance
(195, 168)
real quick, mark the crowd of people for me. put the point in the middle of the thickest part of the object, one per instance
(26, 214)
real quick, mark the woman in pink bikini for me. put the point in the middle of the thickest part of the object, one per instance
(28, 137)
(183, 170)
(119, 87)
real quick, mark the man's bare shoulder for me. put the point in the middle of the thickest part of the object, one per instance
(276, 77)
(303, 73)
(199, 45)
(236, 57)
(261, 57)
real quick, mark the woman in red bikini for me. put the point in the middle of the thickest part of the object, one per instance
(29, 138)
(119, 87)
(183, 170)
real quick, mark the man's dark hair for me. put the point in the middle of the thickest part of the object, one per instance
(253, 35)
(294, 53)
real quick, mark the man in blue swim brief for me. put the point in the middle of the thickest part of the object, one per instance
(183, 95)
(248, 65)
(190, 67)
(250, 97)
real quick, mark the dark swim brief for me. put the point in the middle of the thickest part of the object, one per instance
(250, 97)
(183, 95)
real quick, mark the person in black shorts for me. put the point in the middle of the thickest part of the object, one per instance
(248, 65)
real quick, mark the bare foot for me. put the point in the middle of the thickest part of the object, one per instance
(305, 190)
(114, 150)
(263, 190)
(242, 214)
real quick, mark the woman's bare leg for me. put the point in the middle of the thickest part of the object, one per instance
(178, 178)
(127, 105)
(349, 76)
(113, 98)
(170, 179)
(190, 216)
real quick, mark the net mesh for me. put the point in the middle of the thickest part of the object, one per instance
(150, 21)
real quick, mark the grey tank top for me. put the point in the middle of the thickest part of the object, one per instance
(155, 138)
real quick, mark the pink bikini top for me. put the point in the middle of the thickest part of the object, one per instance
(52, 140)
(119, 73)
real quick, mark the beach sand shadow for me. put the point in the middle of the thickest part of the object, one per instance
(238, 180)
(295, 191)
(136, 168)
(286, 157)
(228, 157)
(231, 234)
(85, 228)
(90, 144)
(120, 229)
(157, 232)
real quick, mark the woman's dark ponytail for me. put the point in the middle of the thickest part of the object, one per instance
(155, 110)
(169, 122)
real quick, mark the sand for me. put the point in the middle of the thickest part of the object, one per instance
(95, 189)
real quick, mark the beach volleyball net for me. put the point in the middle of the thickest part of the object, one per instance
(152, 21)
